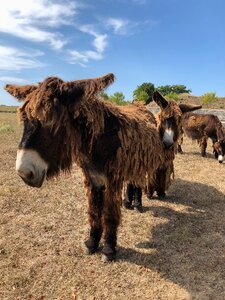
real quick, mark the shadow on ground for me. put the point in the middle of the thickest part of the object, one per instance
(196, 235)
(197, 153)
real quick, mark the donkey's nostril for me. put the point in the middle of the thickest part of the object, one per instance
(30, 176)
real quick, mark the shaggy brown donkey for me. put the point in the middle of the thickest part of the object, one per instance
(200, 128)
(66, 122)
(168, 122)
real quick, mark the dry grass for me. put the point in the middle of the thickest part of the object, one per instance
(174, 250)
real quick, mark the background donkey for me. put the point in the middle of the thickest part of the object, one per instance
(168, 122)
(200, 128)
(65, 122)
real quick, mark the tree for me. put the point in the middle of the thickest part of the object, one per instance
(144, 92)
(143, 96)
(104, 95)
(164, 89)
(171, 89)
(180, 89)
(117, 98)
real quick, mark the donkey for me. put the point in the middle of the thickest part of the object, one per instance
(67, 122)
(168, 122)
(200, 128)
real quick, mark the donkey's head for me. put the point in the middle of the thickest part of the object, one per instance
(169, 119)
(219, 146)
(219, 150)
(47, 143)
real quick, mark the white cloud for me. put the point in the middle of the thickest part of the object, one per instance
(99, 43)
(12, 79)
(26, 19)
(120, 26)
(100, 40)
(14, 59)
(82, 58)
(127, 27)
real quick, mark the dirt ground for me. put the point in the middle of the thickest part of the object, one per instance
(175, 249)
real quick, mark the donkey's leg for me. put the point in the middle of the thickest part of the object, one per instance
(216, 154)
(149, 190)
(129, 195)
(138, 199)
(203, 145)
(160, 187)
(180, 142)
(179, 149)
(110, 220)
(96, 200)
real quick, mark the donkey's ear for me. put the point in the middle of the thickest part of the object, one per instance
(186, 108)
(159, 99)
(20, 91)
(87, 87)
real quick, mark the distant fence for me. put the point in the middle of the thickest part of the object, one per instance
(220, 113)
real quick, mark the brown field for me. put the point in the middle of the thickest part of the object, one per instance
(174, 250)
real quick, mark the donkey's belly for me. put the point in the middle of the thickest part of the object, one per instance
(193, 134)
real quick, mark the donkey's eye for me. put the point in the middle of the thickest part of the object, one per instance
(56, 102)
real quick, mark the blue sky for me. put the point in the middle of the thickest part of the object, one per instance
(158, 41)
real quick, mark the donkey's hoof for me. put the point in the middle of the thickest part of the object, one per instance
(90, 247)
(161, 195)
(108, 253)
(138, 209)
(88, 251)
(107, 258)
(127, 204)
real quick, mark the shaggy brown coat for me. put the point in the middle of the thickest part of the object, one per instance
(169, 118)
(166, 170)
(66, 122)
(200, 128)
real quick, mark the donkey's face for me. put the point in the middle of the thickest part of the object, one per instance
(41, 152)
(169, 119)
(30, 163)
(45, 147)
(219, 149)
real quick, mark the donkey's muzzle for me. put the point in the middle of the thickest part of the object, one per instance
(32, 179)
(220, 159)
(167, 145)
(31, 167)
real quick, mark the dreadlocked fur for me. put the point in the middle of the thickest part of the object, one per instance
(166, 170)
(201, 127)
(168, 118)
(68, 122)
(165, 173)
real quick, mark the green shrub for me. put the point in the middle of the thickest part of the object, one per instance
(172, 96)
(208, 97)
(5, 128)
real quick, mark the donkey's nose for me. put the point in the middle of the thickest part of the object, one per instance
(32, 177)
(167, 144)
(31, 167)
(220, 158)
